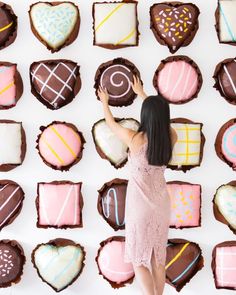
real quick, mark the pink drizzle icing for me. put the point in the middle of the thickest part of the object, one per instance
(177, 81)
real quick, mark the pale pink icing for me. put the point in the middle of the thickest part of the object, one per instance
(185, 204)
(6, 78)
(225, 266)
(177, 81)
(65, 153)
(229, 144)
(111, 262)
(59, 204)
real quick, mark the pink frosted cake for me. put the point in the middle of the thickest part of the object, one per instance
(224, 265)
(59, 204)
(178, 79)
(60, 145)
(111, 265)
(11, 85)
(185, 204)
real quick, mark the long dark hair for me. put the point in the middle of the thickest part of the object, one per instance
(155, 123)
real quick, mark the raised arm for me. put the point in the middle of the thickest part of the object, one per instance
(123, 133)
(138, 87)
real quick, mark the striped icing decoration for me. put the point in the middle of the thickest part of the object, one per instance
(58, 266)
(54, 24)
(59, 145)
(59, 204)
(7, 85)
(179, 256)
(106, 207)
(2, 29)
(227, 21)
(111, 262)
(225, 267)
(11, 198)
(177, 81)
(187, 149)
(107, 20)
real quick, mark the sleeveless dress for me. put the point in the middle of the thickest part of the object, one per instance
(147, 212)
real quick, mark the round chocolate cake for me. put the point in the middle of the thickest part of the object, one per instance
(116, 76)
(12, 260)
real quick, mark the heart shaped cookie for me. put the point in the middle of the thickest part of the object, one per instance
(11, 200)
(183, 260)
(55, 24)
(59, 262)
(108, 145)
(55, 83)
(224, 205)
(174, 24)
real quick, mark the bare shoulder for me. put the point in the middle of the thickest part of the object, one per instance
(137, 141)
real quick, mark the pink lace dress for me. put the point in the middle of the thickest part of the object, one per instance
(147, 212)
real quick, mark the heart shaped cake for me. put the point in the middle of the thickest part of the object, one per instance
(111, 202)
(224, 205)
(55, 24)
(116, 76)
(108, 145)
(11, 201)
(110, 262)
(59, 262)
(183, 260)
(55, 83)
(174, 24)
(225, 144)
(8, 25)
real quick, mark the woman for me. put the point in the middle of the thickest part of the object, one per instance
(147, 201)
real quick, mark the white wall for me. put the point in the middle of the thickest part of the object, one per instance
(209, 108)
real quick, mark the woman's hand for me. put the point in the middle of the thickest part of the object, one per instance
(138, 87)
(103, 95)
